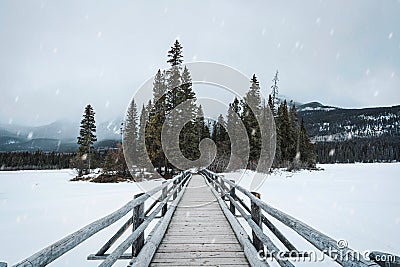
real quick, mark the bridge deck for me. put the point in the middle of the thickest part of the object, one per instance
(199, 233)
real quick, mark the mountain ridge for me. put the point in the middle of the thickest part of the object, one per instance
(323, 123)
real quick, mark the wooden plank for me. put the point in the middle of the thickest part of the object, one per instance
(248, 248)
(199, 233)
(198, 247)
(202, 261)
(155, 236)
(199, 254)
(113, 257)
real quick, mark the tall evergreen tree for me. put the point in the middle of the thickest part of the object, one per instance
(143, 162)
(286, 134)
(174, 75)
(175, 54)
(130, 136)
(275, 92)
(251, 106)
(87, 136)
(233, 126)
(157, 115)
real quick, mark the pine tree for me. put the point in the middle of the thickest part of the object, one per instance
(187, 115)
(175, 54)
(157, 116)
(87, 137)
(287, 142)
(221, 139)
(130, 136)
(143, 162)
(174, 74)
(270, 104)
(233, 125)
(306, 148)
(275, 92)
(251, 106)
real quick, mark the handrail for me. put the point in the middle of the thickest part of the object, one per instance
(57, 249)
(113, 257)
(321, 241)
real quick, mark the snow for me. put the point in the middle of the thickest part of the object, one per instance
(37, 208)
(357, 203)
(317, 108)
(354, 202)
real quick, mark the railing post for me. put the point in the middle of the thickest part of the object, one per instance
(232, 193)
(215, 177)
(138, 218)
(256, 216)
(164, 195)
(175, 193)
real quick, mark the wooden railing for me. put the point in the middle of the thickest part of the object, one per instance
(141, 249)
(254, 216)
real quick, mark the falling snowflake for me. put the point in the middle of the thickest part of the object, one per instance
(390, 35)
(99, 34)
(30, 135)
(16, 99)
(318, 20)
(332, 32)
(349, 135)
(332, 152)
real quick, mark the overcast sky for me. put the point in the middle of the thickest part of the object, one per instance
(57, 56)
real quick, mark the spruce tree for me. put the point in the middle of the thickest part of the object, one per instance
(275, 92)
(237, 145)
(130, 136)
(157, 115)
(251, 106)
(87, 137)
(286, 135)
(143, 162)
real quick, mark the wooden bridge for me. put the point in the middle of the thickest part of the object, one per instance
(198, 226)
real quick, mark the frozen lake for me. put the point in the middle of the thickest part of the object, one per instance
(354, 202)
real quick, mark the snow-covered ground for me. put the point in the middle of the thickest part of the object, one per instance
(38, 208)
(354, 202)
(358, 203)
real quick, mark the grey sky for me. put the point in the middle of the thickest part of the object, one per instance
(57, 56)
